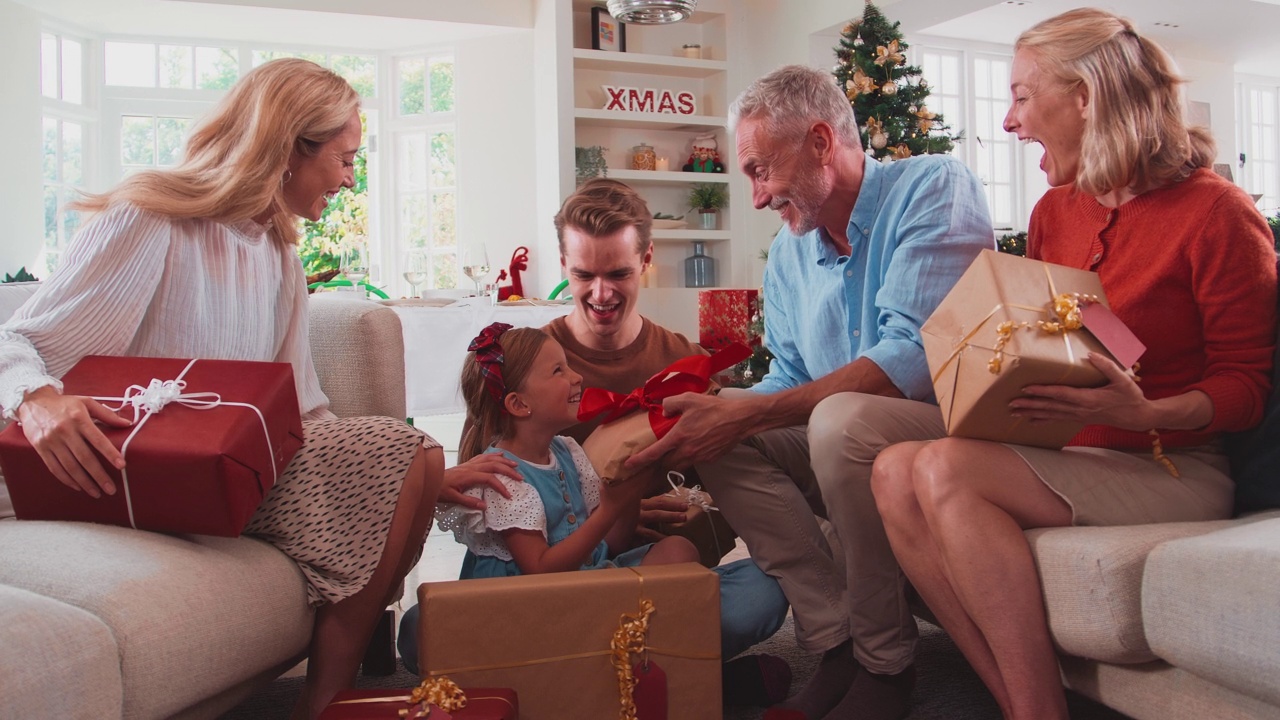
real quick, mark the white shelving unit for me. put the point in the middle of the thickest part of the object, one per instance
(653, 60)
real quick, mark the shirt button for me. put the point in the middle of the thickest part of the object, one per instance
(856, 333)
(848, 273)
(572, 518)
(566, 497)
(1097, 257)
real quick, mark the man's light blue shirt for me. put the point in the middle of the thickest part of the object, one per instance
(916, 226)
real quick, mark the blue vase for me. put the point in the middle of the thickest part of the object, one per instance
(699, 268)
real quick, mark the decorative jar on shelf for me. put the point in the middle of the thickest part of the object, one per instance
(709, 219)
(643, 157)
(699, 268)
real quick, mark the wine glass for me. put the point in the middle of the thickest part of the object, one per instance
(475, 263)
(354, 264)
(415, 269)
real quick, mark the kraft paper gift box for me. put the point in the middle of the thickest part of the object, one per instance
(481, 704)
(201, 462)
(635, 421)
(976, 373)
(548, 637)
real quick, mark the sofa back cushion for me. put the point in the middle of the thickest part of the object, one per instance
(357, 347)
(13, 295)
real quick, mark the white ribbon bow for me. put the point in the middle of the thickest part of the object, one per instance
(149, 400)
(694, 495)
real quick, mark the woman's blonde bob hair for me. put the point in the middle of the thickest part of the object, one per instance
(236, 160)
(1135, 135)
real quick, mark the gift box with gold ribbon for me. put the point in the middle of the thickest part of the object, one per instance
(634, 421)
(434, 699)
(1011, 322)
(632, 643)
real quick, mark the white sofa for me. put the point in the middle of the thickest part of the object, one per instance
(1175, 621)
(103, 622)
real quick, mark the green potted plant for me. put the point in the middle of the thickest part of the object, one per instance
(707, 199)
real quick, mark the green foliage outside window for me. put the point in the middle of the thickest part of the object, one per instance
(413, 87)
(1274, 222)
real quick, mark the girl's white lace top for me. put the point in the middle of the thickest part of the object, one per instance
(480, 530)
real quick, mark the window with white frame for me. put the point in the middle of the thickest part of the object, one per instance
(1260, 140)
(971, 90)
(66, 126)
(423, 136)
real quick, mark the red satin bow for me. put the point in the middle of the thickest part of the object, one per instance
(689, 374)
(489, 357)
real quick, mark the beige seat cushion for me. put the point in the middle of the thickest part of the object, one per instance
(58, 661)
(201, 611)
(1212, 606)
(1092, 580)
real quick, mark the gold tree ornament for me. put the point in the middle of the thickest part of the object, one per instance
(925, 118)
(861, 83)
(890, 88)
(901, 152)
(879, 140)
(889, 55)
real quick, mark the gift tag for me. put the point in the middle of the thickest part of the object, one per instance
(650, 694)
(1114, 335)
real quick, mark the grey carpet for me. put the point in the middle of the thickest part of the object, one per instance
(947, 689)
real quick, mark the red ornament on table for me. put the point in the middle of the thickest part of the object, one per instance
(519, 262)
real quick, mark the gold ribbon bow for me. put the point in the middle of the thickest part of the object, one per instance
(1066, 308)
(629, 639)
(874, 127)
(901, 151)
(439, 691)
(887, 55)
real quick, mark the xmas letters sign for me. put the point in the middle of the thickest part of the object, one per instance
(649, 100)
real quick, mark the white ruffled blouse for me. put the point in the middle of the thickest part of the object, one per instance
(480, 530)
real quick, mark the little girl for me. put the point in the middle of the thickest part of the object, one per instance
(520, 393)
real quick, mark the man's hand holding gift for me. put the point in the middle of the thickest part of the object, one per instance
(642, 418)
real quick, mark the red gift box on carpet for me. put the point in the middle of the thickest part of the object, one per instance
(209, 439)
(633, 422)
(481, 704)
(724, 317)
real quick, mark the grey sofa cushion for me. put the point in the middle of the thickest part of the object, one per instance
(1212, 605)
(58, 661)
(243, 611)
(357, 347)
(1092, 582)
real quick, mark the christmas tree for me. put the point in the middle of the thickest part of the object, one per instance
(888, 96)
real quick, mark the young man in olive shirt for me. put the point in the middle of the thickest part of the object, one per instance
(603, 228)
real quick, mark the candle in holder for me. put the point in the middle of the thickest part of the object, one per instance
(662, 164)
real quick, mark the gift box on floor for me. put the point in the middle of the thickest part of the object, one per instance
(998, 331)
(635, 421)
(549, 638)
(209, 440)
(480, 704)
(724, 317)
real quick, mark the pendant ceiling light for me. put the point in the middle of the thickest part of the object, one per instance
(651, 12)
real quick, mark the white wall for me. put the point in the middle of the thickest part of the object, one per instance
(20, 126)
(496, 148)
(1213, 83)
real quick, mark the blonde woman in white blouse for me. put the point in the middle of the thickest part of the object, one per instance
(199, 261)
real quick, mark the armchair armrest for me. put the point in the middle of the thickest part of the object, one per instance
(358, 350)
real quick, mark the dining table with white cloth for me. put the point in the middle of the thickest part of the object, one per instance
(436, 335)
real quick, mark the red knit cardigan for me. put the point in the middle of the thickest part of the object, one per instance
(1191, 269)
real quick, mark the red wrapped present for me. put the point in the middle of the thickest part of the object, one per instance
(724, 317)
(421, 702)
(209, 439)
(635, 421)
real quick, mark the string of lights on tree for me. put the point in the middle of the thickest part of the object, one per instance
(888, 96)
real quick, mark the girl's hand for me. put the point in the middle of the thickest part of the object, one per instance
(624, 496)
(1120, 403)
(483, 469)
(61, 429)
